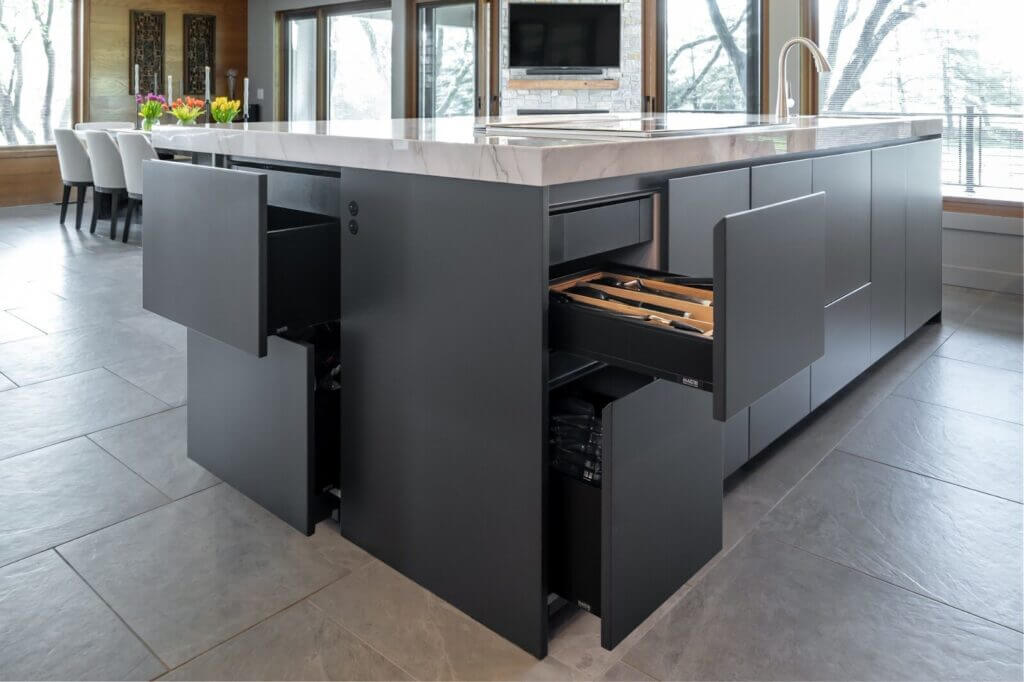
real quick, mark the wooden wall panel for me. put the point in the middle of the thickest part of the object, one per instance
(30, 177)
(108, 50)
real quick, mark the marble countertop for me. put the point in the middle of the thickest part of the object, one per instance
(457, 148)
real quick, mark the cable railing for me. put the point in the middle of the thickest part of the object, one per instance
(980, 150)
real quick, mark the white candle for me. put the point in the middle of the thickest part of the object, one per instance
(170, 88)
(207, 83)
(245, 97)
(156, 84)
(136, 79)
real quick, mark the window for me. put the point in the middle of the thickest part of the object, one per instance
(359, 64)
(447, 59)
(301, 76)
(949, 58)
(711, 55)
(35, 69)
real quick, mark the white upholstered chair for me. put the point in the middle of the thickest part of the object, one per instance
(75, 171)
(107, 174)
(135, 148)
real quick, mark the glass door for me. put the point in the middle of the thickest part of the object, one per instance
(447, 73)
(359, 62)
(300, 67)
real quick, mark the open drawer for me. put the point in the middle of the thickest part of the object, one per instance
(758, 322)
(221, 261)
(622, 542)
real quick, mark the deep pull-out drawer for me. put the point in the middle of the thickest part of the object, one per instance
(220, 261)
(756, 324)
(269, 426)
(621, 545)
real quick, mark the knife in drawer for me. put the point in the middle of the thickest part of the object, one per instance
(584, 290)
(639, 285)
(580, 299)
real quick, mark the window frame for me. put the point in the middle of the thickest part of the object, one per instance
(486, 78)
(321, 13)
(79, 84)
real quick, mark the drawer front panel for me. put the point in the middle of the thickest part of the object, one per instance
(250, 422)
(776, 412)
(769, 281)
(661, 511)
(847, 345)
(775, 182)
(585, 232)
(846, 180)
(207, 272)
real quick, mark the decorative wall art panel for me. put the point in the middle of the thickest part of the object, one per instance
(146, 48)
(200, 50)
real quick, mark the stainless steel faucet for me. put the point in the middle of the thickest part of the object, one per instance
(820, 63)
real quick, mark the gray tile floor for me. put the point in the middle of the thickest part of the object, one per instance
(881, 539)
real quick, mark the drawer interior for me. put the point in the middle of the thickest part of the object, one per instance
(650, 299)
(303, 269)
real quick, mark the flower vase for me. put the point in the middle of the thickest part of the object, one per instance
(147, 123)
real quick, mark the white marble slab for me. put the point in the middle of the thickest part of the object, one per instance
(453, 148)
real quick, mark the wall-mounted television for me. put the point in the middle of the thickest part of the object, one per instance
(564, 36)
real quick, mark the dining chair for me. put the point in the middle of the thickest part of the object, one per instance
(105, 125)
(75, 171)
(107, 174)
(135, 148)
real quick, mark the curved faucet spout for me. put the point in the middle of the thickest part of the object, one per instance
(821, 65)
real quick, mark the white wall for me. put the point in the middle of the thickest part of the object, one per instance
(983, 252)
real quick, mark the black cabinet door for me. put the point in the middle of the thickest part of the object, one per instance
(924, 232)
(846, 181)
(661, 500)
(888, 248)
(847, 345)
(695, 205)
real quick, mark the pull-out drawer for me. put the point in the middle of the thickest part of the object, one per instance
(269, 426)
(620, 544)
(221, 261)
(577, 232)
(756, 324)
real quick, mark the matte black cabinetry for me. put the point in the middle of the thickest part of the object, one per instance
(888, 248)
(776, 412)
(846, 181)
(847, 345)
(695, 205)
(924, 232)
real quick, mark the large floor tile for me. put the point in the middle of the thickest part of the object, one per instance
(419, 631)
(6, 384)
(300, 643)
(984, 346)
(155, 448)
(768, 611)
(193, 573)
(21, 294)
(61, 315)
(163, 374)
(160, 328)
(54, 411)
(955, 545)
(57, 355)
(959, 303)
(987, 391)
(977, 452)
(1004, 312)
(13, 329)
(53, 627)
(64, 491)
(623, 672)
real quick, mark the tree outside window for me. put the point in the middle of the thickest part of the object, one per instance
(955, 59)
(35, 69)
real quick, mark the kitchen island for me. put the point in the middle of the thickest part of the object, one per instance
(384, 317)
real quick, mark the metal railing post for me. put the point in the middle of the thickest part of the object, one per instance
(969, 134)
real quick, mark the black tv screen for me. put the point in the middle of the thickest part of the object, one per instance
(563, 35)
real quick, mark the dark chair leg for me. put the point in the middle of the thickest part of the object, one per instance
(64, 203)
(95, 211)
(115, 207)
(128, 220)
(79, 205)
